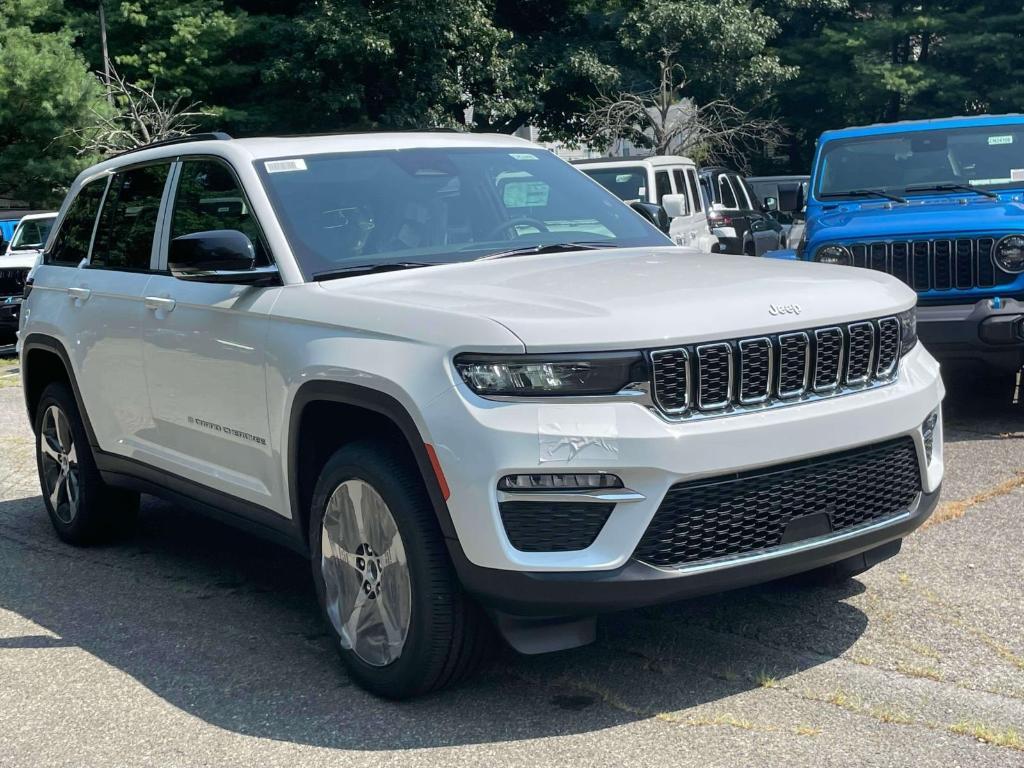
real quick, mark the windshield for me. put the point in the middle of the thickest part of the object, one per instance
(436, 206)
(983, 157)
(31, 234)
(628, 184)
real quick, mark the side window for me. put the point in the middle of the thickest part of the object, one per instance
(744, 192)
(124, 237)
(728, 198)
(209, 197)
(71, 243)
(662, 185)
(691, 177)
(680, 181)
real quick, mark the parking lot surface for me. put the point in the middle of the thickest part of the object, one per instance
(192, 644)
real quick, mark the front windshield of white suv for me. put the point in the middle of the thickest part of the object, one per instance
(923, 162)
(357, 211)
(31, 234)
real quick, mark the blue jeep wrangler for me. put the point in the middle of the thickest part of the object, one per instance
(940, 205)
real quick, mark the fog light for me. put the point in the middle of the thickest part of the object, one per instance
(928, 433)
(559, 482)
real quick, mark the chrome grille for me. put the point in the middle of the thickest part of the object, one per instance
(941, 264)
(722, 377)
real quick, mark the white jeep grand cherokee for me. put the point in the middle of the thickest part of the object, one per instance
(473, 385)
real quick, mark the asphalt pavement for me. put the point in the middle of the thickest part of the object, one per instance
(191, 644)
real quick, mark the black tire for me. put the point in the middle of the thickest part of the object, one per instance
(748, 250)
(448, 634)
(101, 512)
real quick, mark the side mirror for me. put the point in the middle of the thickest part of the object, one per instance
(791, 197)
(217, 256)
(654, 213)
(771, 204)
(674, 205)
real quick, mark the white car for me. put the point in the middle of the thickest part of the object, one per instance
(17, 262)
(473, 386)
(670, 181)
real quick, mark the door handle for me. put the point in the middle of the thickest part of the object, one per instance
(159, 302)
(79, 294)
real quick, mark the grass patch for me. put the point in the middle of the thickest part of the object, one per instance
(766, 681)
(926, 673)
(1008, 738)
(954, 510)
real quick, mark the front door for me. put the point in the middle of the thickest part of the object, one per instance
(685, 229)
(204, 352)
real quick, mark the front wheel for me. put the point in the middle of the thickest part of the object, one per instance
(394, 606)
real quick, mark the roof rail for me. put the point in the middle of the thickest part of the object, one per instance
(213, 136)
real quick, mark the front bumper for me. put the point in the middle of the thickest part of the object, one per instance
(635, 584)
(984, 331)
(479, 441)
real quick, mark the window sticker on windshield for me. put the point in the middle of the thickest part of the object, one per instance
(1017, 174)
(284, 166)
(522, 156)
(993, 140)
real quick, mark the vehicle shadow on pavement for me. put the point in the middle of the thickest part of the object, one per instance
(225, 627)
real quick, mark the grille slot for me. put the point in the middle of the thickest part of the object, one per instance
(736, 515)
(860, 352)
(888, 346)
(828, 358)
(935, 265)
(720, 377)
(671, 379)
(714, 362)
(794, 363)
(756, 361)
(534, 526)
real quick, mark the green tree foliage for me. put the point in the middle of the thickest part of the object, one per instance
(46, 92)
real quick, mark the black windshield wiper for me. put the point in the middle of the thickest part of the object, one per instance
(952, 187)
(866, 193)
(529, 250)
(369, 269)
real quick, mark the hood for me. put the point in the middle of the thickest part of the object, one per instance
(20, 259)
(966, 214)
(639, 297)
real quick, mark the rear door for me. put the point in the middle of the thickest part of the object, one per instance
(204, 348)
(764, 230)
(105, 307)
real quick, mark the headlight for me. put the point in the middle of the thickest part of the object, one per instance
(546, 375)
(1010, 253)
(908, 330)
(833, 254)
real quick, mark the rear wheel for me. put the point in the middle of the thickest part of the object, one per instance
(393, 603)
(82, 508)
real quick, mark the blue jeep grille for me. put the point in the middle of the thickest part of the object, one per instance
(940, 264)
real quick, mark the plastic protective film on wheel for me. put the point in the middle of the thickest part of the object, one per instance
(366, 576)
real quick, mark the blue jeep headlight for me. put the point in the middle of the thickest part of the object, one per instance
(1009, 253)
(833, 254)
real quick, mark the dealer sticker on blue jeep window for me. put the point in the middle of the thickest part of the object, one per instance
(993, 140)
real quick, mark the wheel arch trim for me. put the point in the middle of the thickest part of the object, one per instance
(54, 347)
(344, 393)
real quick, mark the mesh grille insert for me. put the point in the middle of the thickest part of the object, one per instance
(534, 526)
(720, 517)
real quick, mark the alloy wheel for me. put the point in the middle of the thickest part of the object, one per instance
(61, 475)
(368, 593)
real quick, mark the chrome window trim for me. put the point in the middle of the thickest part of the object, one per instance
(730, 373)
(871, 353)
(688, 396)
(743, 343)
(839, 367)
